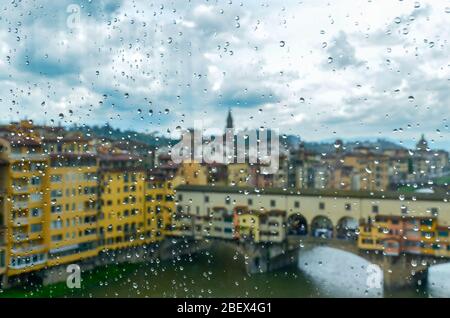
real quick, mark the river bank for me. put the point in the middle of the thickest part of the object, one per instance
(218, 272)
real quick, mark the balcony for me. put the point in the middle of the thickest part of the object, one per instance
(412, 235)
(28, 156)
(17, 174)
(20, 221)
(411, 226)
(20, 189)
(35, 236)
(27, 264)
(27, 249)
(20, 205)
(20, 237)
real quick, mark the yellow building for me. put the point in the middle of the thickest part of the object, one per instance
(25, 181)
(342, 178)
(240, 175)
(413, 235)
(73, 143)
(191, 173)
(217, 174)
(121, 221)
(385, 233)
(368, 238)
(370, 170)
(2, 232)
(428, 232)
(72, 194)
(247, 226)
(159, 206)
(259, 226)
(442, 245)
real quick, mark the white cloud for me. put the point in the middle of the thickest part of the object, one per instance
(199, 58)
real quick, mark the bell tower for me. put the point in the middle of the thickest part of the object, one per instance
(229, 120)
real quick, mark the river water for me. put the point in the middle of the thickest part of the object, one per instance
(322, 272)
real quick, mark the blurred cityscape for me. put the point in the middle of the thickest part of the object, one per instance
(82, 195)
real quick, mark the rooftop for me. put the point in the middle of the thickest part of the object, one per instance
(118, 157)
(21, 141)
(64, 139)
(317, 193)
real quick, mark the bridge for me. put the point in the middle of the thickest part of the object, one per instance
(403, 271)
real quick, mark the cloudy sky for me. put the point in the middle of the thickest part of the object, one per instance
(320, 69)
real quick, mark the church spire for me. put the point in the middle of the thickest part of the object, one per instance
(422, 145)
(229, 120)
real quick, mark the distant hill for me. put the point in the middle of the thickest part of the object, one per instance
(287, 141)
(106, 131)
(327, 147)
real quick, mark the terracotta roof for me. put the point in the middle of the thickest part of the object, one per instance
(118, 157)
(159, 174)
(18, 140)
(122, 169)
(71, 155)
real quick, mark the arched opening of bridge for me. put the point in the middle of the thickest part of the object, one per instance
(346, 228)
(321, 226)
(297, 225)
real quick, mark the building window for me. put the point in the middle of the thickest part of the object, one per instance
(2, 259)
(206, 199)
(35, 181)
(297, 204)
(35, 212)
(321, 206)
(55, 208)
(57, 238)
(348, 207)
(404, 209)
(250, 201)
(180, 197)
(56, 178)
(375, 209)
(434, 212)
(36, 228)
(273, 203)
